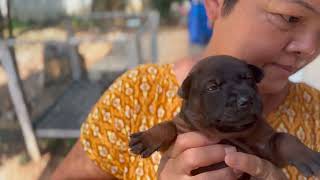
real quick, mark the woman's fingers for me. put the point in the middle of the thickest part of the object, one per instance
(189, 140)
(225, 174)
(201, 157)
(253, 165)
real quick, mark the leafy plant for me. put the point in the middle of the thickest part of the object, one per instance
(108, 5)
(163, 6)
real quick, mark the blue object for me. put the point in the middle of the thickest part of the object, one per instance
(199, 31)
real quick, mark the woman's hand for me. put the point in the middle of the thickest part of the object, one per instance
(191, 151)
(253, 165)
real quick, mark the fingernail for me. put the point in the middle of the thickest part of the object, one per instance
(230, 149)
(237, 172)
(212, 140)
(229, 158)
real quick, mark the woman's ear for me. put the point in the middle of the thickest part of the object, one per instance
(213, 9)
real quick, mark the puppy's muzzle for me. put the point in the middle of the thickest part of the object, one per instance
(244, 102)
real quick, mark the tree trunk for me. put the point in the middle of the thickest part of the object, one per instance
(2, 25)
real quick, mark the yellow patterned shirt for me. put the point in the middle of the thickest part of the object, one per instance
(147, 95)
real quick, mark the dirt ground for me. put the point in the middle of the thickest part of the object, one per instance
(14, 161)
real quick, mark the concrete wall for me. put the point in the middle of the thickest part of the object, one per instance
(41, 10)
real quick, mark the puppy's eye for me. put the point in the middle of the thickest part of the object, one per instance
(212, 87)
(247, 76)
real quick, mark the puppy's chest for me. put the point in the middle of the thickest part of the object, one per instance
(244, 144)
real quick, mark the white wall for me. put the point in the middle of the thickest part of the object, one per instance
(77, 7)
(309, 74)
(3, 7)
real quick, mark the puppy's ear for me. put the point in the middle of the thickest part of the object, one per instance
(257, 72)
(184, 90)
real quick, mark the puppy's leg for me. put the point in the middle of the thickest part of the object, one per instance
(158, 137)
(290, 150)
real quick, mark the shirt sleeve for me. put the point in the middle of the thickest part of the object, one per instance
(122, 110)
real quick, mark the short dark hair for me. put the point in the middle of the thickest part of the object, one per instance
(228, 6)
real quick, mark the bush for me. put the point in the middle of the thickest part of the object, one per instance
(163, 6)
(108, 5)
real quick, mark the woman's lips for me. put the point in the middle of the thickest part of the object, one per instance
(287, 69)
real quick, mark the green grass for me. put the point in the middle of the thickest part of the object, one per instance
(17, 27)
(16, 24)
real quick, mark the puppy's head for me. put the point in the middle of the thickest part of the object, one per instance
(220, 92)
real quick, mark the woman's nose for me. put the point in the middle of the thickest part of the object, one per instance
(305, 46)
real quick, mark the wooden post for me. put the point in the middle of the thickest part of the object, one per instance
(19, 103)
(133, 51)
(2, 25)
(75, 62)
(138, 41)
(154, 20)
(12, 52)
(10, 28)
(74, 58)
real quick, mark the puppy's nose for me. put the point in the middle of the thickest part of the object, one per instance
(244, 102)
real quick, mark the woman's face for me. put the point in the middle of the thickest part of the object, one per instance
(280, 36)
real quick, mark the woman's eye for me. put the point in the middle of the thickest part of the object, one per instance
(290, 19)
(284, 22)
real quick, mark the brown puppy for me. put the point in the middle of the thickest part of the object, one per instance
(220, 98)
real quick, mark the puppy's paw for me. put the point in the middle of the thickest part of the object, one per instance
(142, 144)
(309, 164)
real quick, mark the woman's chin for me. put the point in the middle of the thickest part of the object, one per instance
(272, 86)
(275, 80)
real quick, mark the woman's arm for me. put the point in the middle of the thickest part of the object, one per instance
(77, 165)
(102, 149)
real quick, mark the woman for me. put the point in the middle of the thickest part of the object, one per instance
(280, 36)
